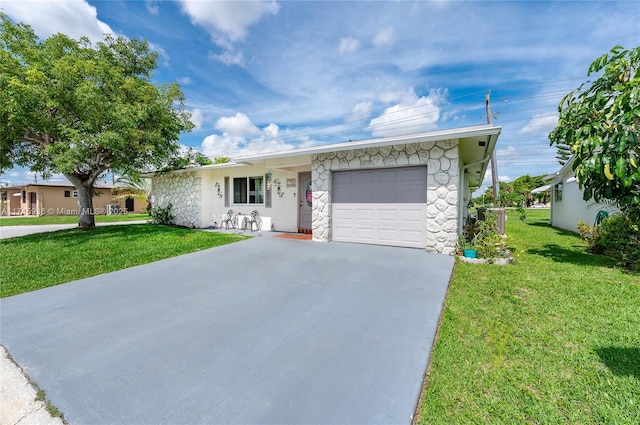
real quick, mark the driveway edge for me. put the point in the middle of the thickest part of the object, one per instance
(18, 396)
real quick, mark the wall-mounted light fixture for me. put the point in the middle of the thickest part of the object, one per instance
(278, 185)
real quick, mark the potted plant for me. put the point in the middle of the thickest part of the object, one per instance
(466, 247)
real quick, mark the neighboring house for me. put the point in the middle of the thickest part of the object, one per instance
(60, 198)
(567, 205)
(543, 192)
(400, 191)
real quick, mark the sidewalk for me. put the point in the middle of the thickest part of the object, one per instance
(18, 405)
(15, 231)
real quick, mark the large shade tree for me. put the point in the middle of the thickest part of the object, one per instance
(599, 128)
(68, 106)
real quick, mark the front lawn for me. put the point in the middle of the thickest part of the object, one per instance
(554, 338)
(46, 259)
(68, 219)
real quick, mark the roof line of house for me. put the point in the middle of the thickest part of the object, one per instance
(55, 184)
(456, 133)
(557, 176)
(448, 134)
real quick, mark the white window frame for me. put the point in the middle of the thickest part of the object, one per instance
(74, 194)
(557, 192)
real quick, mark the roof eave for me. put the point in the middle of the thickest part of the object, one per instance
(458, 133)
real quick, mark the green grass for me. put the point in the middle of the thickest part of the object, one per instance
(554, 338)
(46, 259)
(68, 219)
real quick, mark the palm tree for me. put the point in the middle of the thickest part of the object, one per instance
(133, 187)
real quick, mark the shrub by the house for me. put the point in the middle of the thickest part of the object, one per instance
(616, 237)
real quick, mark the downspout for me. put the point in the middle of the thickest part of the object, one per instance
(461, 193)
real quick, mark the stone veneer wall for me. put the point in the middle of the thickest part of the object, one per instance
(441, 159)
(183, 191)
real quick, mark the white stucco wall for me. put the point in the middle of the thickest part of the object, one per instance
(283, 213)
(441, 159)
(566, 213)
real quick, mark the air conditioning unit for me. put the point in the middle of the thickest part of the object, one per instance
(113, 209)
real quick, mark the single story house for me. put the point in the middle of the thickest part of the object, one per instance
(409, 190)
(61, 198)
(567, 205)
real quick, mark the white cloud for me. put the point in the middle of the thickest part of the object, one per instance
(152, 6)
(509, 153)
(228, 21)
(229, 58)
(412, 115)
(392, 96)
(185, 81)
(385, 37)
(197, 118)
(540, 124)
(75, 18)
(360, 112)
(349, 45)
(241, 137)
(271, 131)
(217, 145)
(488, 182)
(237, 125)
(20, 175)
(162, 54)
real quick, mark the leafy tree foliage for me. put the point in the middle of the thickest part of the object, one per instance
(516, 193)
(221, 160)
(71, 107)
(188, 158)
(599, 126)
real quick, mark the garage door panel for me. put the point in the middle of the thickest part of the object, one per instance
(388, 214)
(381, 206)
(381, 224)
(387, 235)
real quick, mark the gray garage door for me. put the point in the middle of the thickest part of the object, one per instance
(384, 206)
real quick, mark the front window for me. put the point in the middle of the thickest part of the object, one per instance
(558, 192)
(248, 190)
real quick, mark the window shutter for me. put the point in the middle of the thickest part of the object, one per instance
(226, 192)
(267, 191)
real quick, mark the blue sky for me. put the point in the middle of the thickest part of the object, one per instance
(266, 75)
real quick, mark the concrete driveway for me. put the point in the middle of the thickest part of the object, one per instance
(261, 331)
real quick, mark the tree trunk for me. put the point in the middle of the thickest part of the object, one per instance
(86, 219)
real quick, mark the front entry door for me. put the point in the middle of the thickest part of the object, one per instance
(305, 198)
(128, 204)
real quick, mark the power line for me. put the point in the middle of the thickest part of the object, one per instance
(343, 127)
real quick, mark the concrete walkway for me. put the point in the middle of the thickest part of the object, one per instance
(15, 231)
(266, 330)
(18, 405)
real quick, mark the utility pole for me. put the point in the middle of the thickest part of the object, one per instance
(494, 165)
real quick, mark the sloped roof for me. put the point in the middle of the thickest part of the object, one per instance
(476, 145)
(541, 189)
(63, 183)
